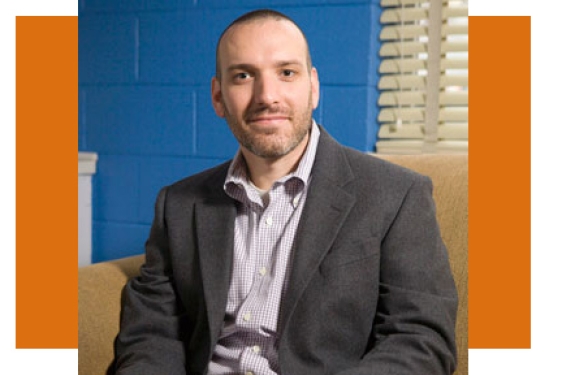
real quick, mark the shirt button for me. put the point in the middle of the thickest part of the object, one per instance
(248, 373)
(263, 271)
(247, 317)
(269, 221)
(296, 202)
(256, 349)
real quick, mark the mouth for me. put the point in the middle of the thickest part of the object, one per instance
(268, 118)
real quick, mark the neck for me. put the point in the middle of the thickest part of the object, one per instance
(263, 172)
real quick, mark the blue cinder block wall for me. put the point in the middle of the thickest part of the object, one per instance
(144, 95)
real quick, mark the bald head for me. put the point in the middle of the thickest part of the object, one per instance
(257, 16)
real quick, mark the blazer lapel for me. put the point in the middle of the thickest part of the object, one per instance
(214, 222)
(329, 201)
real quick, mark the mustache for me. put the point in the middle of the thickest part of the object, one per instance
(268, 111)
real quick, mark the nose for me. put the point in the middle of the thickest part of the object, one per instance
(265, 90)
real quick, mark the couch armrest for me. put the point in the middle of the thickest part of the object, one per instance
(99, 305)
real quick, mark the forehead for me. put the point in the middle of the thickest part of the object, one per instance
(257, 41)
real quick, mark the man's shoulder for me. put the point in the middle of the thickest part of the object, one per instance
(202, 182)
(364, 166)
(382, 184)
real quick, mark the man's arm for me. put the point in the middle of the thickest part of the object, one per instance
(414, 327)
(152, 319)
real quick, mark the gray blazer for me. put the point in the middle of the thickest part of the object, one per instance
(370, 290)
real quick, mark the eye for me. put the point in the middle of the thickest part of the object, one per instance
(241, 76)
(288, 73)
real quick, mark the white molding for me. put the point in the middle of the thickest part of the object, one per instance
(87, 163)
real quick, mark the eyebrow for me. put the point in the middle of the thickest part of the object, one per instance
(279, 64)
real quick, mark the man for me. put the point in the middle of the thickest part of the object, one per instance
(300, 256)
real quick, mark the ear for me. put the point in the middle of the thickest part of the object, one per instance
(216, 97)
(315, 87)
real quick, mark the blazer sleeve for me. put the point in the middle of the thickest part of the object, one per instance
(414, 327)
(152, 322)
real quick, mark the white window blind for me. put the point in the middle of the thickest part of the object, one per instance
(423, 77)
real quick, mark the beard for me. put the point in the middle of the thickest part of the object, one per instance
(274, 143)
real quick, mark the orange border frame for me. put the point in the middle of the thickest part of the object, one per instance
(499, 239)
(46, 182)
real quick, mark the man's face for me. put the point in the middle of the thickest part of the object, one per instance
(266, 92)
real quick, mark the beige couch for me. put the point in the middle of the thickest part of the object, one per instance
(99, 285)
